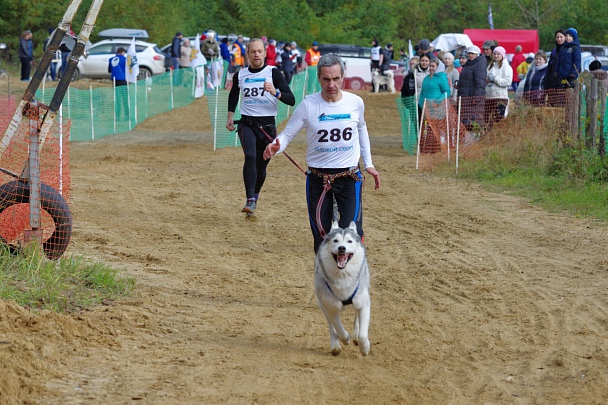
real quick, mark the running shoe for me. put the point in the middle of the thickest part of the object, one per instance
(249, 207)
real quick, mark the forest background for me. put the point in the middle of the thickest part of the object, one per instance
(326, 21)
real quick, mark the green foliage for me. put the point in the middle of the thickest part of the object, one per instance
(578, 163)
(355, 22)
(68, 284)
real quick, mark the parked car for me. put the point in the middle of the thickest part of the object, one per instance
(357, 69)
(94, 62)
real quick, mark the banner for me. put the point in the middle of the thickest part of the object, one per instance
(197, 58)
(132, 65)
(490, 18)
(199, 90)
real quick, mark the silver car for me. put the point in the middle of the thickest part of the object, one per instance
(94, 63)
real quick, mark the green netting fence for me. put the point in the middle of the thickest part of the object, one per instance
(101, 111)
(408, 112)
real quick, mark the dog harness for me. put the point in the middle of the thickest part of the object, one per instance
(347, 301)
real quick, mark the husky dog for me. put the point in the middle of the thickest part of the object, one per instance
(378, 80)
(342, 278)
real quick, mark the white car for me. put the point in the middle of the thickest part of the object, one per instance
(94, 62)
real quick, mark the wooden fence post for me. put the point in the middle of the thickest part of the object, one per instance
(602, 141)
(591, 124)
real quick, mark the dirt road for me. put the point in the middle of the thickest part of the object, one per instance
(477, 298)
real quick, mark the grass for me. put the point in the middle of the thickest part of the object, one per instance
(69, 284)
(537, 163)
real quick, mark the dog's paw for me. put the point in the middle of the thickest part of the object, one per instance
(336, 350)
(364, 347)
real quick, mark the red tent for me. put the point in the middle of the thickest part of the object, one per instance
(508, 39)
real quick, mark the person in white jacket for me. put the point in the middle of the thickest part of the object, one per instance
(500, 76)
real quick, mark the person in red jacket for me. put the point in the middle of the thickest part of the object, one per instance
(271, 53)
(518, 58)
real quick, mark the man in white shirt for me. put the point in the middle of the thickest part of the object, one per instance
(337, 138)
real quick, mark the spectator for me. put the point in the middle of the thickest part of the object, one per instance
(425, 47)
(421, 71)
(518, 58)
(117, 67)
(53, 65)
(522, 69)
(499, 78)
(271, 53)
(452, 73)
(185, 54)
(387, 57)
(488, 49)
(435, 89)
(175, 49)
(297, 57)
(375, 56)
(287, 59)
(472, 89)
(534, 80)
(462, 58)
(209, 47)
(224, 50)
(313, 55)
(238, 55)
(569, 59)
(435, 86)
(551, 79)
(65, 49)
(408, 88)
(26, 54)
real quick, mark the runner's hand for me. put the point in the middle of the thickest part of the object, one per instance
(375, 175)
(272, 149)
(230, 124)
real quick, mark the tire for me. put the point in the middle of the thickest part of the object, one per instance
(18, 192)
(144, 73)
(357, 84)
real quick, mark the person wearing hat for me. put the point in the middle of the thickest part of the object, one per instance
(176, 49)
(462, 58)
(313, 54)
(569, 59)
(499, 78)
(472, 88)
(297, 57)
(488, 49)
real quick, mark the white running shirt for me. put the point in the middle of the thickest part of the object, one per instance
(375, 53)
(336, 132)
(255, 102)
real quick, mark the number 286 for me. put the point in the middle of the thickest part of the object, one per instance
(335, 134)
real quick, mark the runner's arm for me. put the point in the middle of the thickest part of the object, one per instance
(279, 82)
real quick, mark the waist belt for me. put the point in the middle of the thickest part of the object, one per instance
(329, 178)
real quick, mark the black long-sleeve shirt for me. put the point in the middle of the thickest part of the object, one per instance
(278, 81)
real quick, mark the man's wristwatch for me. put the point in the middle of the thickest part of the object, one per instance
(277, 94)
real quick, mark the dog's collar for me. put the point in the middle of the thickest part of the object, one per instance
(347, 301)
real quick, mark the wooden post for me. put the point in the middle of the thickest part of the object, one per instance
(572, 113)
(602, 141)
(591, 114)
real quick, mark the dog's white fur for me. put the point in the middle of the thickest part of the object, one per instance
(341, 270)
(378, 80)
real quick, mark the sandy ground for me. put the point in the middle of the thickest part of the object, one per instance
(477, 297)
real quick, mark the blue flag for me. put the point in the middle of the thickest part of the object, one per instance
(490, 19)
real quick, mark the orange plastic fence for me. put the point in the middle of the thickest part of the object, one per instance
(54, 227)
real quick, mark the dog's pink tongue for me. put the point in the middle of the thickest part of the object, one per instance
(342, 260)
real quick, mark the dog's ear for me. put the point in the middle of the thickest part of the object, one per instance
(335, 225)
(353, 226)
